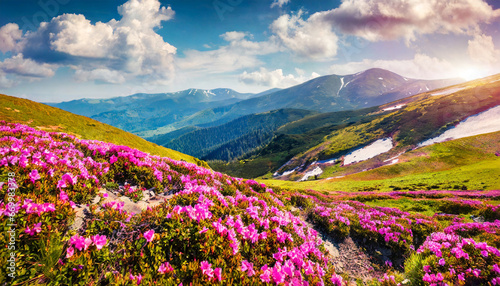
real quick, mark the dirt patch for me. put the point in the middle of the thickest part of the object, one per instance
(349, 257)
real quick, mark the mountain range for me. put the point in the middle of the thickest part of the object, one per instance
(140, 112)
(149, 115)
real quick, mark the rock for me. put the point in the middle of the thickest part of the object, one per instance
(477, 218)
(96, 200)
(81, 214)
(142, 205)
(147, 195)
(129, 206)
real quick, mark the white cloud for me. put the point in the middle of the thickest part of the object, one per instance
(10, 34)
(279, 3)
(311, 39)
(482, 50)
(18, 65)
(4, 81)
(105, 75)
(239, 53)
(274, 78)
(144, 15)
(420, 67)
(377, 20)
(233, 36)
(113, 52)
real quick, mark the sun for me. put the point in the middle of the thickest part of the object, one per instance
(471, 73)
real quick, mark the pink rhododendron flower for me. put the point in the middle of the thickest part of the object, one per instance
(203, 230)
(34, 175)
(496, 268)
(63, 196)
(442, 262)
(248, 267)
(99, 241)
(138, 277)
(266, 276)
(36, 229)
(165, 268)
(218, 274)
(206, 268)
(336, 280)
(69, 252)
(149, 235)
(87, 242)
(77, 241)
(277, 275)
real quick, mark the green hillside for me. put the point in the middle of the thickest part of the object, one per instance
(421, 117)
(49, 118)
(470, 163)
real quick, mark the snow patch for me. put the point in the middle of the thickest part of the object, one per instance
(376, 148)
(448, 91)
(381, 78)
(399, 106)
(481, 123)
(316, 172)
(328, 161)
(286, 173)
(208, 93)
(341, 86)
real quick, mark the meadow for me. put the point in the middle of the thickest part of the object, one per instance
(219, 230)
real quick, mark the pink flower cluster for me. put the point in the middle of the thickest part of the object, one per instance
(114, 206)
(35, 229)
(165, 268)
(206, 269)
(83, 243)
(386, 222)
(66, 165)
(39, 209)
(264, 221)
(489, 227)
(459, 257)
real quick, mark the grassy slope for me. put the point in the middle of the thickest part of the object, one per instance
(468, 163)
(49, 118)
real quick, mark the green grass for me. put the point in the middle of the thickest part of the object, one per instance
(436, 157)
(49, 118)
(426, 207)
(483, 175)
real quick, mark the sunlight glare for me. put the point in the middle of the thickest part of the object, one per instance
(471, 73)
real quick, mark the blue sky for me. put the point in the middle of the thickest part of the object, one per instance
(58, 50)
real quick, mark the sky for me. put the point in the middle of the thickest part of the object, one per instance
(60, 50)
